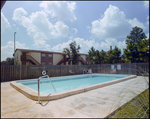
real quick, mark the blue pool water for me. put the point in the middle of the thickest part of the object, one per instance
(65, 83)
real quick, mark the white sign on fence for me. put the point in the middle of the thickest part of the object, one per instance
(118, 67)
(112, 66)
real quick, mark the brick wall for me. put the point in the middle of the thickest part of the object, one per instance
(47, 60)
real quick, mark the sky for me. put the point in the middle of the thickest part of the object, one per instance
(53, 25)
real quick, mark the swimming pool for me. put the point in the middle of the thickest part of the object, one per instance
(67, 85)
(68, 82)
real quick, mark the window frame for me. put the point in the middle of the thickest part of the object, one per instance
(43, 62)
(50, 57)
(50, 63)
(43, 57)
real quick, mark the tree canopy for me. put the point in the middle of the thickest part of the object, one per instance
(9, 61)
(91, 55)
(73, 53)
(101, 57)
(137, 49)
(67, 51)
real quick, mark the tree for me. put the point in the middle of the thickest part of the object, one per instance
(67, 51)
(103, 57)
(116, 53)
(122, 58)
(9, 61)
(137, 46)
(73, 53)
(143, 49)
(113, 56)
(91, 55)
(109, 57)
(97, 59)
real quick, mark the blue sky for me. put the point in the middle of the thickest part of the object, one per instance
(52, 26)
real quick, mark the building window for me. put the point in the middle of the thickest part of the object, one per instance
(43, 63)
(86, 58)
(50, 63)
(50, 56)
(43, 56)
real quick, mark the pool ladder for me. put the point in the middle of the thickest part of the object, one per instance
(45, 76)
(86, 71)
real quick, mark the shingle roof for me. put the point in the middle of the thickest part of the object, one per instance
(29, 50)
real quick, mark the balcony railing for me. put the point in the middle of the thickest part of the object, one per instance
(82, 60)
(61, 61)
(29, 58)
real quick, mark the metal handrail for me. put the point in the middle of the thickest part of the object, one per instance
(49, 79)
(39, 86)
(85, 70)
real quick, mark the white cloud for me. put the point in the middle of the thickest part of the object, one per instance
(114, 24)
(4, 22)
(18, 13)
(41, 44)
(147, 35)
(147, 17)
(147, 22)
(14, 25)
(39, 27)
(75, 30)
(134, 22)
(61, 29)
(88, 28)
(87, 44)
(8, 49)
(63, 11)
(60, 47)
(105, 45)
(71, 37)
(113, 42)
(146, 4)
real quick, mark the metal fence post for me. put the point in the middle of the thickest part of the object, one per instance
(20, 71)
(39, 92)
(60, 70)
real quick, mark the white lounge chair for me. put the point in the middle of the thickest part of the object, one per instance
(90, 71)
(71, 72)
(113, 71)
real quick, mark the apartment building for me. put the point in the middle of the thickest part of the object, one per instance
(38, 57)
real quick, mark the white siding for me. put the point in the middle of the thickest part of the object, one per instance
(83, 56)
(18, 54)
(35, 55)
(57, 58)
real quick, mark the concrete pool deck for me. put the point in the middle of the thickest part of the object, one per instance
(99, 102)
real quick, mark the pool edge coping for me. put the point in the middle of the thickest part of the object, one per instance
(33, 95)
